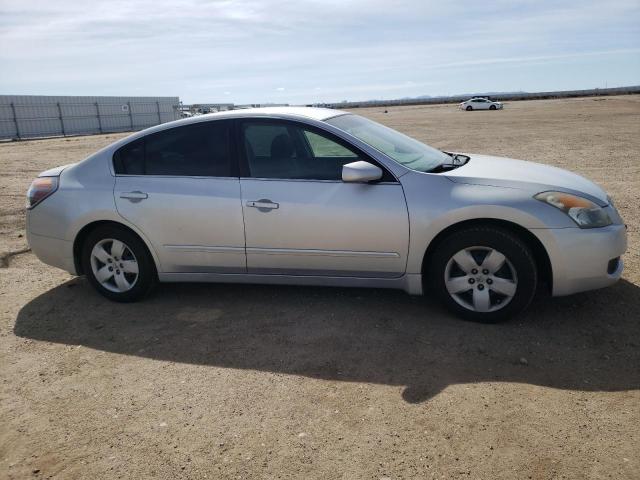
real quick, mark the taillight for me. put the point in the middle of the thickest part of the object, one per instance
(40, 189)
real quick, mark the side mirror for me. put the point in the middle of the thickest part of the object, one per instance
(360, 172)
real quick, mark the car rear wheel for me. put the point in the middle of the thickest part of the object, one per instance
(492, 107)
(469, 108)
(483, 274)
(118, 264)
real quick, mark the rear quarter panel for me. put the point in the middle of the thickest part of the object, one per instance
(85, 195)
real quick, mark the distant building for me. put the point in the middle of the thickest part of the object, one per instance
(200, 108)
(260, 105)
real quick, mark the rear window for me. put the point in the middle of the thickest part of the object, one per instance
(201, 149)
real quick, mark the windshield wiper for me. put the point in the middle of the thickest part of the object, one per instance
(457, 160)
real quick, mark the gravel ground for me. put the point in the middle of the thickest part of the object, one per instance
(231, 381)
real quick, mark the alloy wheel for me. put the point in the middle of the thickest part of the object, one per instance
(481, 279)
(114, 265)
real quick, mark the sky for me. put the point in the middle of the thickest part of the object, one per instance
(282, 51)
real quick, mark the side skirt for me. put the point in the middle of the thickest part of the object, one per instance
(410, 283)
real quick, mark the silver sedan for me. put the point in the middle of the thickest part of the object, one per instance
(311, 196)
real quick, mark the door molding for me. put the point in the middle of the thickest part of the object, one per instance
(324, 253)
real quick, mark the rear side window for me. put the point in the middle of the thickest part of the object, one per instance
(202, 149)
(130, 158)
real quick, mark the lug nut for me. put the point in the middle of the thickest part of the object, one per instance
(481, 287)
(485, 271)
(111, 269)
(489, 281)
(472, 281)
(474, 271)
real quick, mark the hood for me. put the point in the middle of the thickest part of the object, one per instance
(536, 177)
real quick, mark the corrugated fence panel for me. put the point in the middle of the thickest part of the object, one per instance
(7, 125)
(31, 112)
(82, 125)
(39, 127)
(28, 116)
(116, 123)
(79, 110)
(114, 109)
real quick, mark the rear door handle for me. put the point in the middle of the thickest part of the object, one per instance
(135, 196)
(264, 204)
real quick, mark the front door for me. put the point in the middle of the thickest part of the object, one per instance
(180, 187)
(302, 219)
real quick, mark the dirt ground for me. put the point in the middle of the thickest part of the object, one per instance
(248, 382)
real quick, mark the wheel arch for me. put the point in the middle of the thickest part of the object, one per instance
(541, 257)
(84, 232)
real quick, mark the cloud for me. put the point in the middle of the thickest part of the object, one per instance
(321, 50)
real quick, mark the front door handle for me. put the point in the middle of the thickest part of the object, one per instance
(136, 196)
(264, 205)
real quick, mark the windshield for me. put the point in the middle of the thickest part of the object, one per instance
(404, 150)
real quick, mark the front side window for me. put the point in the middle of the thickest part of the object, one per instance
(404, 150)
(322, 147)
(201, 149)
(288, 151)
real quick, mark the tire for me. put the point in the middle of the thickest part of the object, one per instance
(118, 264)
(469, 108)
(501, 291)
(492, 107)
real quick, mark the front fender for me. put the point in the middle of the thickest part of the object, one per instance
(435, 203)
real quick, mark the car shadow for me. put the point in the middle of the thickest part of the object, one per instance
(587, 342)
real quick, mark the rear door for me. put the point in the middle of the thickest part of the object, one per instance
(181, 188)
(302, 219)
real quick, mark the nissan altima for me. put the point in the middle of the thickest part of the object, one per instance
(312, 196)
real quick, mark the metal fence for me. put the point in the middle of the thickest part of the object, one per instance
(30, 116)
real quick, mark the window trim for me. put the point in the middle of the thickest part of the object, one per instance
(234, 172)
(245, 173)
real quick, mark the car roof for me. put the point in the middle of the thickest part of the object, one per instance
(313, 113)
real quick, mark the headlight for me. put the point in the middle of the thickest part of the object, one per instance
(582, 211)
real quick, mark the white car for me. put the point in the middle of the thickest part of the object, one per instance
(477, 103)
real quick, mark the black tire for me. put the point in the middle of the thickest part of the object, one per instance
(469, 108)
(519, 258)
(492, 107)
(147, 276)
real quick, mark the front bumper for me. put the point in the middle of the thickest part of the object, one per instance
(581, 259)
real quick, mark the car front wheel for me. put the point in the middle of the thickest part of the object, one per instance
(483, 274)
(117, 264)
(492, 107)
(469, 108)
